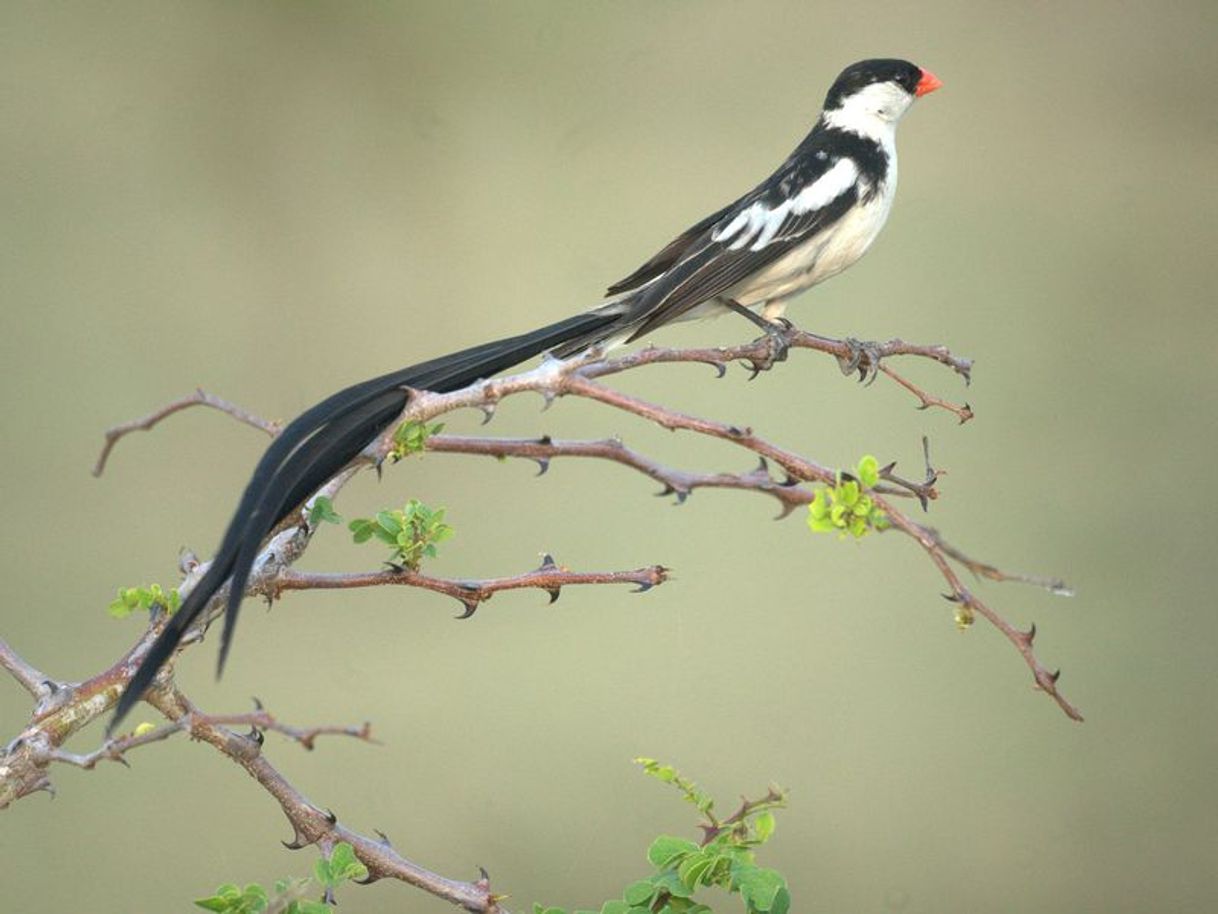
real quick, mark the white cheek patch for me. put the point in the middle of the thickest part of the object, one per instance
(759, 224)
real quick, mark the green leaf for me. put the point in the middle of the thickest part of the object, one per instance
(616, 906)
(666, 849)
(321, 872)
(345, 865)
(869, 471)
(693, 869)
(764, 826)
(388, 522)
(848, 493)
(640, 892)
(322, 511)
(671, 883)
(214, 903)
(820, 504)
(758, 886)
(820, 524)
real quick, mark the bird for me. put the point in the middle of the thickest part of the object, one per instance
(813, 217)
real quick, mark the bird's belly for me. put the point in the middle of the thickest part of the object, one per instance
(818, 259)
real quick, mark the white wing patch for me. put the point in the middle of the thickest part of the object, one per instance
(758, 224)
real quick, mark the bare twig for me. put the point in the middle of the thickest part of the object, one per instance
(313, 825)
(199, 398)
(676, 482)
(31, 679)
(713, 826)
(963, 412)
(984, 570)
(115, 750)
(472, 592)
(1045, 680)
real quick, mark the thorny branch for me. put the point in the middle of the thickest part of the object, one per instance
(146, 423)
(65, 708)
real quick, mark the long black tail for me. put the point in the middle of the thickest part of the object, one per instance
(311, 450)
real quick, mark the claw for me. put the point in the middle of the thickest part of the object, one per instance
(864, 357)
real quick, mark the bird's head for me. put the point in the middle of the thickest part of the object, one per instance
(870, 96)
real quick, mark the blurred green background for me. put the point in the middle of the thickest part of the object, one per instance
(273, 200)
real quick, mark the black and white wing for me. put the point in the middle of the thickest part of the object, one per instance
(809, 194)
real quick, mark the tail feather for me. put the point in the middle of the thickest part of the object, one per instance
(317, 445)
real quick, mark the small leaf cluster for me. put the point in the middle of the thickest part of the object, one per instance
(846, 507)
(289, 893)
(411, 438)
(321, 511)
(132, 598)
(413, 532)
(725, 860)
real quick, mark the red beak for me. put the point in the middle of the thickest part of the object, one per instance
(928, 83)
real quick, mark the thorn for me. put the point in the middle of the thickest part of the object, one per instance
(484, 878)
(547, 562)
(950, 597)
(384, 837)
(1031, 636)
(395, 567)
(789, 481)
(1055, 675)
(330, 817)
(380, 462)
(298, 841)
(720, 369)
(471, 607)
(884, 471)
(787, 508)
(256, 735)
(555, 593)
(666, 491)
(543, 464)
(257, 703)
(643, 587)
(548, 397)
(681, 494)
(488, 412)
(966, 414)
(545, 440)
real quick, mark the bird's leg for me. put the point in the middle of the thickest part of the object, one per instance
(775, 335)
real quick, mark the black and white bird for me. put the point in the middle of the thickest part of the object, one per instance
(809, 220)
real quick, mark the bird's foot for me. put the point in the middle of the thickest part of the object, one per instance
(863, 357)
(777, 346)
